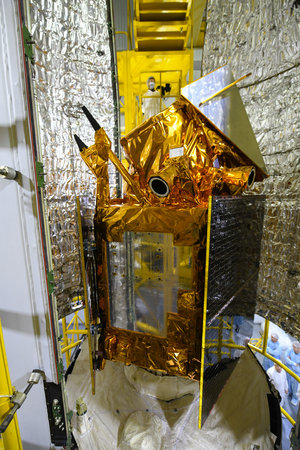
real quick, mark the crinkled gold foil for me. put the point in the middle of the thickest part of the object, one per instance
(176, 173)
(186, 302)
(96, 158)
(177, 359)
(177, 354)
(178, 329)
(147, 146)
(188, 226)
(210, 162)
(147, 351)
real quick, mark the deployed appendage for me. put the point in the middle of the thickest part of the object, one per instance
(91, 119)
(81, 145)
(96, 158)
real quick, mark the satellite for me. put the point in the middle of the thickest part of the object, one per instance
(152, 242)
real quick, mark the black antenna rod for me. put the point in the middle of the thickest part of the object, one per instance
(79, 142)
(91, 119)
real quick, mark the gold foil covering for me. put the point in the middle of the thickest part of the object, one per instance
(96, 158)
(178, 327)
(209, 164)
(130, 347)
(186, 302)
(177, 360)
(188, 226)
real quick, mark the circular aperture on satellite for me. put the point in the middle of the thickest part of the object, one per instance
(251, 178)
(159, 187)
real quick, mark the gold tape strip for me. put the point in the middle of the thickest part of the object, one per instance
(204, 311)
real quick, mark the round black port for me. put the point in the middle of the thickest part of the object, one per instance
(251, 178)
(159, 187)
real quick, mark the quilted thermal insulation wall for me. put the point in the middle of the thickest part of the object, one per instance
(263, 37)
(73, 67)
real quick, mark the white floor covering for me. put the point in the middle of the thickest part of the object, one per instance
(124, 416)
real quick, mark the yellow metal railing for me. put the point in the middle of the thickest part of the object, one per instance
(73, 330)
(277, 361)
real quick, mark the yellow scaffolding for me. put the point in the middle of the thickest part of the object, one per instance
(73, 330)
(165, 34)
(10, 439)
(160, 25)
(134, 68)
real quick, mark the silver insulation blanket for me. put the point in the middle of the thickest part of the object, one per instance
(263, 37)
(72, 68)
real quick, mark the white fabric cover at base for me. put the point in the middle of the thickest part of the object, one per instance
(238, 420)
(162, 387)
(142, 431)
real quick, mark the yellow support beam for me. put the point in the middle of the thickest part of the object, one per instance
(65, 342)
(265, 337)
(77, 332)
(70, 346)
(204, 311)
(277, 361)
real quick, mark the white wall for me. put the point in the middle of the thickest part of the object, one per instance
(23, 295)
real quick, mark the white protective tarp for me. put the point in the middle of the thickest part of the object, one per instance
(124, 416)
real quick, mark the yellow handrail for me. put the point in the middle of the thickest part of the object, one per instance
(277, 361)
(286, 414)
